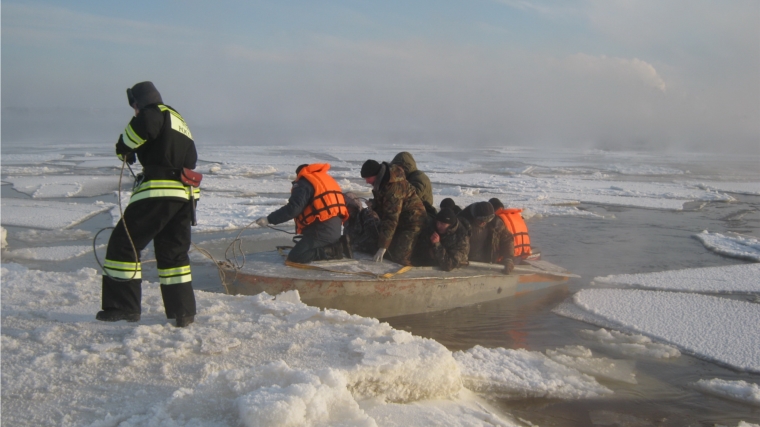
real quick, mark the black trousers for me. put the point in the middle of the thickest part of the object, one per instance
(166, 222)
(316, 237)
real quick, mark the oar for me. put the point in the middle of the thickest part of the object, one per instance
(521, 269)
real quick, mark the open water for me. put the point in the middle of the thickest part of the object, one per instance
(619, 240)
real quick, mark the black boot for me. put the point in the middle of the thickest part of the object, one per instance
(345, 243)
(329, 252)
(184, 321)
(116, 315)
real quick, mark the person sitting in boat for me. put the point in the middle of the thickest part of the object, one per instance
(451, 204)
(490, 241)
(515, 223)
(362, 226)
(316, 203)
(445, 243)
(402, 214)
(418, 179)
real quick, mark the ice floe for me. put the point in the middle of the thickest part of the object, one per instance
(50, 186)
(714, 328)
(522, 373)
(740, 391)
(744, 278)
(732, 246)
(48, 214)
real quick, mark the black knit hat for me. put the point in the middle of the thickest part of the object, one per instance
(496, 203)
(482, 211)
(370, 168)
(448, 203)
(446, 216)
(144, 93)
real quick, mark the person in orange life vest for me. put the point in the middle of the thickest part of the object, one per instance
(490, 241)
(317, 205)
(515, 223)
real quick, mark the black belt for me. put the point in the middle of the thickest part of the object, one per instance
(161, 172)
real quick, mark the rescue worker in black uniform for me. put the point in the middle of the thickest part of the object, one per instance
(161, 209)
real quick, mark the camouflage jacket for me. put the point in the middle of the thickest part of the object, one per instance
(450, 253)
(397, 204)
(362, 230)
(500, 244)
(418, 179)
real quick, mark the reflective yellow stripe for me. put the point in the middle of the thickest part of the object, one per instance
(177, 122)
(122, 270)
(173, 276)
(131, 138)
(164, 188)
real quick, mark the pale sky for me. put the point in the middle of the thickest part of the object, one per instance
(644, 74)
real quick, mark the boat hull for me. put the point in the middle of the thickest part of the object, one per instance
(420, 290)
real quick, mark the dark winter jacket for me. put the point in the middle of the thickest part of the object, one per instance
(300, 196)
(158, 134)
(498, 245)
(163, 143)
(396, 203)
(362, 230)
(418, 179)
(449, 253)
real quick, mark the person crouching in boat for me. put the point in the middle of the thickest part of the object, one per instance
(417, 179)
(362, 226)
(451, 204)
(490, 241)
(402, 214)
(317, 205)
(515, 223)
(445, 243)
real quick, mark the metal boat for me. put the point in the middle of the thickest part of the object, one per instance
(364, 287)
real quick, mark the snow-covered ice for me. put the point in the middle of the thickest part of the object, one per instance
(50, 253)
(714, 328)
(40, 187)
(264, 361)
(48, 214)
(248, 360)
(741, 391)
(523, 373)
(632, 345)
(736, 246)
(744, 278)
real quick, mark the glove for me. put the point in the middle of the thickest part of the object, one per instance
(379, 255)
(509, 266)
(262, 222)
(131, 158)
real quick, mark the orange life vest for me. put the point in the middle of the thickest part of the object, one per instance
(328, 198)
(516, 225)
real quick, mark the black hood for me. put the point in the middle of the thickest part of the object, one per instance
(144, 93)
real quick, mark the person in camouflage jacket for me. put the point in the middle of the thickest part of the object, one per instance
(402, 214)
(418, 179)
(490, 240)
(445, 243)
